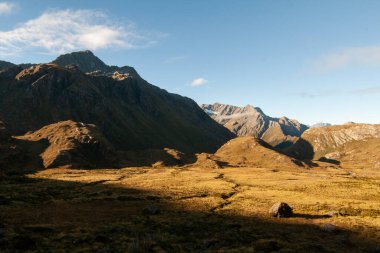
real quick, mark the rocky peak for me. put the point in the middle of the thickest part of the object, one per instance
(252, 121)
(87, 62)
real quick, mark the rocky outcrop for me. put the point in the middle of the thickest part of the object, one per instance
(251, 121)
(131, 113)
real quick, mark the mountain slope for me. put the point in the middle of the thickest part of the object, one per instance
(131, 113)
(249, 120)
(349, 144)
(5, 64)
(72, 144)
(249, 151)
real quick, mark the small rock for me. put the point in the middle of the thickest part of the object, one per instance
(280, 210)
(333, 213)
(328, 227)
(151, 210)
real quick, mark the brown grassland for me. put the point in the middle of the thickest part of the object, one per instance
(201, 210)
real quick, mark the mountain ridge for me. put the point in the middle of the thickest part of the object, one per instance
(87, 62)
(249, 120)
(130, 112)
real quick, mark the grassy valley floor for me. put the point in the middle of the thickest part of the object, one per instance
(190, 209)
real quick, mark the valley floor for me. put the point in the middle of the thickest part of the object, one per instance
(190, 209)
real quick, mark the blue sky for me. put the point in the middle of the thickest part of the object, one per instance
(309, 60)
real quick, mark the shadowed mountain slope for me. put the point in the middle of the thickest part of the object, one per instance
(4, 65)
(72, 144)
(249, 120)
(131, 113)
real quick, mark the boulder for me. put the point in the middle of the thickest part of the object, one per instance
(281, 210)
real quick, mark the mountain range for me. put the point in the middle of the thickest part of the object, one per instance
(351, 145)
(252, 121)
(129, 112)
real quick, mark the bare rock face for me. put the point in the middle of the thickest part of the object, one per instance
(281, 210)
(251, 121)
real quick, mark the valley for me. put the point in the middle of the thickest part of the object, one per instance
(189, 208)
(93, 158)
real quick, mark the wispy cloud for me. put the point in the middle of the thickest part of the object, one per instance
(6, 8)
(199, 82)
(328, 93)
(356, 56)
(60, 31)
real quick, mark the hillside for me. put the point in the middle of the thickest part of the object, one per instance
(349, 144)
(252, 152)
(5, 64)
(131, 113)
(252, 121)
(72, 144)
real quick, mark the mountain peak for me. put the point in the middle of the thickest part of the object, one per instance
(252, 121)
(87, 62)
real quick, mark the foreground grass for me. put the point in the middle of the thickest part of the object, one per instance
(201, 210)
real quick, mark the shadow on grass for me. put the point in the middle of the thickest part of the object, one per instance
(43, 215)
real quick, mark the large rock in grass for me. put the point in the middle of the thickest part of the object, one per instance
(281, 210)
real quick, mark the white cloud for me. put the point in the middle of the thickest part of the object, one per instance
(199, 82)
(60, 31)
(357, 56)
(6, 8)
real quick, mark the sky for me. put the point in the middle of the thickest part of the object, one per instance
(314, 61)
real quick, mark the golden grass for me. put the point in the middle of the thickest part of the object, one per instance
(222, 210)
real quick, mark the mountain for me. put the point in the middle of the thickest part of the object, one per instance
(320, 124)
(5, 64)
(129, 112)
(249, 120)
(349, 144)
(87, 62)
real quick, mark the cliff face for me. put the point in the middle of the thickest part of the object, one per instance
(252, 121)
